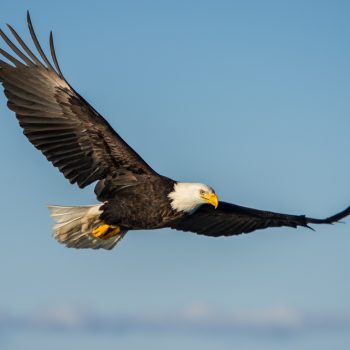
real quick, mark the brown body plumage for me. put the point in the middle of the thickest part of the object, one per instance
(85, 148)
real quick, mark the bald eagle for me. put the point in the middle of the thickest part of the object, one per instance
(77, 140)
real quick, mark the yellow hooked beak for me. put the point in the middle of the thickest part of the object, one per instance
(211, 198)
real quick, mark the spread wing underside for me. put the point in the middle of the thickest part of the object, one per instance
(230, 219)
(58, 121)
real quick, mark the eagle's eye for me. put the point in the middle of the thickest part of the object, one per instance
(201, 192)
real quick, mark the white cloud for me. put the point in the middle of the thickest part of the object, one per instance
(197, 318)
(64, 316)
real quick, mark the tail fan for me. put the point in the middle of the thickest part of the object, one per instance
(74, 227)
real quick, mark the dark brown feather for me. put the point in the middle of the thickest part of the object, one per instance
(58, 121)
(230, 219)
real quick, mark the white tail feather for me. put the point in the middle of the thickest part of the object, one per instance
(74, 226)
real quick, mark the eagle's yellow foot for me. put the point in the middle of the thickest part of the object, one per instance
(106, 231)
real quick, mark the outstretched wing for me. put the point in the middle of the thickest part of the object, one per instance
(230, 219)
(58, 121)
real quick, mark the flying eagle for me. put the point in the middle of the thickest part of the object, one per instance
(77, 140)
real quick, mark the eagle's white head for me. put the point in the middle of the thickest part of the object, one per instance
(188, 197)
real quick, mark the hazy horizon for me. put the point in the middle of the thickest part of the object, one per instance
(251, 98)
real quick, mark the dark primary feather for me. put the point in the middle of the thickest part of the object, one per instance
(58, 121)
(230, 219)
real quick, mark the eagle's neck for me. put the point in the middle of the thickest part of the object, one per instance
(184, 197)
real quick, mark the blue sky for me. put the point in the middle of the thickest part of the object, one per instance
(251, 97)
